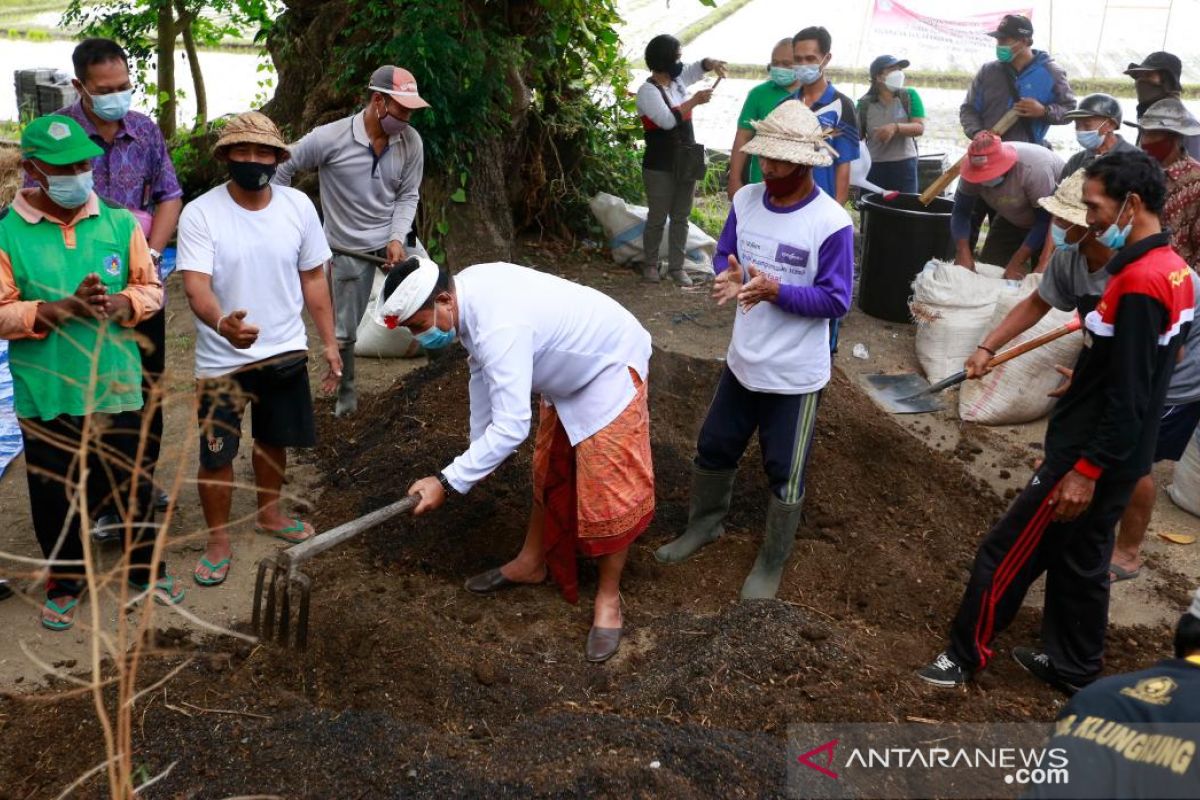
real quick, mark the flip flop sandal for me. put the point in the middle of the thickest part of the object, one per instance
(213, 578)
(288, 533)
(66, 608)
(1119, 573)
(166, 593)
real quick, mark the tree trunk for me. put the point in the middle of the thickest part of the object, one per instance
(189, 45)
(166, 69)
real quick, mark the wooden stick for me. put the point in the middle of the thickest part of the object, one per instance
(1001, 127)
(355, 254)
(299, 553)
(1036, 342)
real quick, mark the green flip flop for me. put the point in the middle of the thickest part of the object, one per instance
(60, 625)
(166, 592)
(213, 579)
(286, 533)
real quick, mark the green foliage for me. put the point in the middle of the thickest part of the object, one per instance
(711, 208)
(480, 64)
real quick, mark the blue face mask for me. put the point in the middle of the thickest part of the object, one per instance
(1059, 235)
(435, 338)
(112, 107)
(807, 74)
(1089, 140)
(782, 76)
(68, 191)
(1113, 237)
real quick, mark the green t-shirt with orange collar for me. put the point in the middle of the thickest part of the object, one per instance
(84, 366)
(760, 102)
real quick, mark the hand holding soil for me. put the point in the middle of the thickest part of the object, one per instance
(761, 288)
(728, 284)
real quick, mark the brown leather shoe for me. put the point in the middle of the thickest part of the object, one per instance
(602, 644)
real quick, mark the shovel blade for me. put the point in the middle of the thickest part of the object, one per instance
(904, 393)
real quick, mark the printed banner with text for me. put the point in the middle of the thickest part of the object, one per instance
(943, 33)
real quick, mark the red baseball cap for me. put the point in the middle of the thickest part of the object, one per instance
(987, 157)
(399, 83)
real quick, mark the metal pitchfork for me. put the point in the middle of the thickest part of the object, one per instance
(273, 620)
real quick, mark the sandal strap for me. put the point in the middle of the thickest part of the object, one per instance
(68, 607)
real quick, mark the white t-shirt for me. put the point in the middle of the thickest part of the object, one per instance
(255, 259)
(529, 332)
(783, 347)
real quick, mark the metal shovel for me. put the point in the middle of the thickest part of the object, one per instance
(272, 619)
(909, 393)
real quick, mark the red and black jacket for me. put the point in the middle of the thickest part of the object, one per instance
(1107, 422)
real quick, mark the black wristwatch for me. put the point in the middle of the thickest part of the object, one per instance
(445, 483)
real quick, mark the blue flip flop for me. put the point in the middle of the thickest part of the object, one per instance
(213, 569)
(166, 593)
(66, 608)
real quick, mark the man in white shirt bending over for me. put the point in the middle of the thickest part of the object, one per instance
(588, 358)
(251, 256)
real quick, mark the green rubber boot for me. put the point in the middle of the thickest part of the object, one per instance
(711, 495)
(347, 395)
(782, 521)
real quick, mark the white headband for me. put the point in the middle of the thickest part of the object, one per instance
(408, 297)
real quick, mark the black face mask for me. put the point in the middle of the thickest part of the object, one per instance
(1150, 92)
(250, 175)
(676, 70)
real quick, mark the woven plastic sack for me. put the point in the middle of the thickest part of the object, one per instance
(1016, 391)
(1184, 490)
(624, 224)
(375, 341)
(953, 307)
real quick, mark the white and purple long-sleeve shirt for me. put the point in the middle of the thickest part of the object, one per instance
(783, 347)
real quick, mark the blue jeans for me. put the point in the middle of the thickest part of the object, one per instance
(897, 176)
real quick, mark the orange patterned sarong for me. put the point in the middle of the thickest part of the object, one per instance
(598, 496)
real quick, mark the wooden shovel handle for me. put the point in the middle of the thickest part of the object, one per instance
(935, 189)
(1036, 342)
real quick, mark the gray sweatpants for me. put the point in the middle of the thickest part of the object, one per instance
(352, 280)
(667, 198)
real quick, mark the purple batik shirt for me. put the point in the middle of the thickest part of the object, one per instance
(135, 170)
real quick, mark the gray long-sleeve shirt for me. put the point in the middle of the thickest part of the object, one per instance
(366, 201)
(990, 96)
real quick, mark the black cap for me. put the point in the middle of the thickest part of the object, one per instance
(1158, 62)
(1096, 105)
(886, 62)
(1014, 26)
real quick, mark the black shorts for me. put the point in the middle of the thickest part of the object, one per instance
(281, 409)
(1175, 430)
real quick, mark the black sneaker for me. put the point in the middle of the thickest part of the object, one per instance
(108, 528)
(944, 672)
(5, 590)
(161, 501)
(1038, 665)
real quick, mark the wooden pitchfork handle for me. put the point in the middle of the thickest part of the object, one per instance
(1001, 127)
(297, 554)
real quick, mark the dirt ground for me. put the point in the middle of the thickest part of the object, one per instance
(413, 687)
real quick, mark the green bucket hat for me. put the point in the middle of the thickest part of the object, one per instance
(57, 140)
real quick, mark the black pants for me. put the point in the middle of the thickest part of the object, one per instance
(154, 363)
(1074, 555)
(785, 424)
(52, 461)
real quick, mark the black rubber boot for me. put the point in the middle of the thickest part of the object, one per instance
(782, 521)
(347, 395)
(711, 495)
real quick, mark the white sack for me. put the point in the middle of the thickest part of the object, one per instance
(624, 223)
(953, 307)
(1016, 391)
(1184, 490)
(375, 340)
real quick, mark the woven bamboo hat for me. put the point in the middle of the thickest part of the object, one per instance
(252, 127)
(791, 133)
(1067, 200)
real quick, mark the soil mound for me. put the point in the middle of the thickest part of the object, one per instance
(414, 687)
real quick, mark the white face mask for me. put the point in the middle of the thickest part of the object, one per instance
(894, 80)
